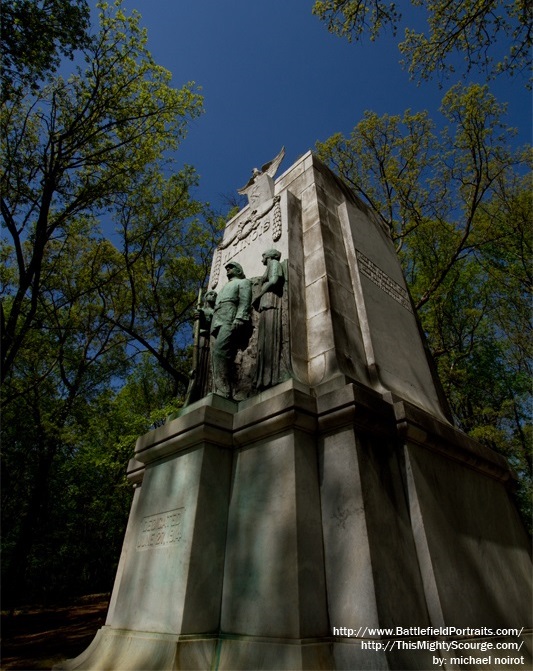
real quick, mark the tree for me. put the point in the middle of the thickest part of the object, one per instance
(85, 497)
(76, 145)
(35, 35)
(78, 305)
(458, 206)
(161, 266)
(63, 364)
(472, 29)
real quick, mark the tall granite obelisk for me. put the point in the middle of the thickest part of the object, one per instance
(321, 492)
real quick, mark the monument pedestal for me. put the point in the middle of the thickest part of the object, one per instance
(336, 520)
(261, 531)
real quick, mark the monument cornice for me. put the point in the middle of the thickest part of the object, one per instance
(415, 426)
(203, 424)
(290, 409)
(357, 406)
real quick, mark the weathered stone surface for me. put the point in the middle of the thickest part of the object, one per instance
(179, 524)
(462, 513)
(311, 511)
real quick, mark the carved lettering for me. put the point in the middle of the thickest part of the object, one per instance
(369, 269)
(160, 530)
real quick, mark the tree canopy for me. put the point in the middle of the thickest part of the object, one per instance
(104, 249)
(467, 34)
(36, 34)
(78, 144)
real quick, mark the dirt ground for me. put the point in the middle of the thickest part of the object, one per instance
(39, 637)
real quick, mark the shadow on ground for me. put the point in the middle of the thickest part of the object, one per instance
(36, 637)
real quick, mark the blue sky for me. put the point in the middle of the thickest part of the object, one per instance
(272, 75)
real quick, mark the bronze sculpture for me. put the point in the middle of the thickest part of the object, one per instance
(230, 315)
(268, 303)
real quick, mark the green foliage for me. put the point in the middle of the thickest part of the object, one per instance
(77, 534)
(472, 29)
(161, 265)
(97, 496)
(77, 146)
(458, 205)
(80, 309)
(35, 34)
(353, 18)
(65, 363)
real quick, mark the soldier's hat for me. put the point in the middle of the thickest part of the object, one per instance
(234, 264)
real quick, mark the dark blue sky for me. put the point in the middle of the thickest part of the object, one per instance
(272, 75)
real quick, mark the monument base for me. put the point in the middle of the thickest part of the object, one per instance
(289, 530)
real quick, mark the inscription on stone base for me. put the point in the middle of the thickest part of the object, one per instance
(369, 269)
(160, 530)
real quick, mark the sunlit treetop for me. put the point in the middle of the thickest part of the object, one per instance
(494, 36)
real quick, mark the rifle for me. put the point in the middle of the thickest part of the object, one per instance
(193, 375)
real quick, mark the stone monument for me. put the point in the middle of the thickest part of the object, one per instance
(313, 506)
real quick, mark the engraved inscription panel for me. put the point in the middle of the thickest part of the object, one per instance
(369, 269)
(160, 530)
